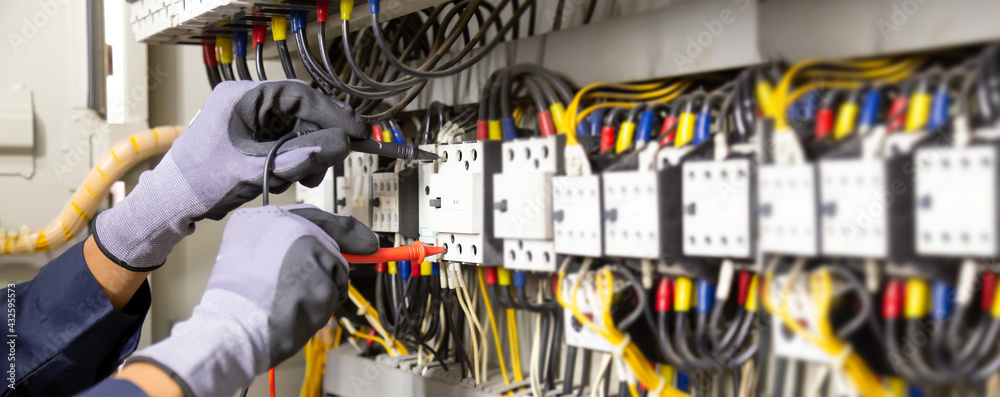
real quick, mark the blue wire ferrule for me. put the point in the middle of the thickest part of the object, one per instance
(706, 295)
(373, 6)
(435, 268)
(519, 279)
(869, 108)
(240, 43)
(939, 110)
(508, 128)
(298, 20)
(596, 121)
(405, 269)
(941, 296)
(645, 128)
(397, 133)
(682, 382)
(701, 128)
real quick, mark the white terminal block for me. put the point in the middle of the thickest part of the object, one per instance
(522, 202)
(956, 196)
(631, 214)
(577, 210)
(459, 194)
(788, 209)
(577, 334)
(424, 172)
(321, 196)
(385, 202)
(860, 200)
(718, 198)
(354, 189)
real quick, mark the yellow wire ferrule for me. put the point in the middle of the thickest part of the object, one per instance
(682, 294)
(558, 116)
(916, 299)
(846, 116)
(225, 47)
(387, 135)
(346, 6)
(496, 133)
(503, 276)
(392, 267)
(279, 28)
(685, 129)
(425, 268)
(765, 96)
(667, 373)
(626, 134)
(752, 302)
(920, 106)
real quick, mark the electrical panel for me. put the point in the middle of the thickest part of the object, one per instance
(719, 197)
(956, 196)
(522, 202)
(642, 213)
(577, 215)
(788, 209)
(354, 189)
(866, 208)
(461, 199)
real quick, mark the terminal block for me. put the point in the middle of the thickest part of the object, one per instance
(956, 195)
(788, 210)
(866, 208)
(576, 215)
(642, 213)
(461, 194)
(522, 202)
(354, 189)
(718, 198)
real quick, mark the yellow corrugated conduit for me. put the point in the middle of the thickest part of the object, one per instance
(124, 155)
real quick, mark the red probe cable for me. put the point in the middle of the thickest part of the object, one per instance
(416, 253)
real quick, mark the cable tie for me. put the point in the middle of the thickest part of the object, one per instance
(619, 350)
(838, 360)
(362, 309)
(659, 389)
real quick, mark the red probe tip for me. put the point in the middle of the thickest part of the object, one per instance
(416, 253)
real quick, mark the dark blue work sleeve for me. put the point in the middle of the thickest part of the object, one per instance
(114, 388)
(61, 334)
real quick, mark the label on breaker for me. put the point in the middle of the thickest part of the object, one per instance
(357, 201)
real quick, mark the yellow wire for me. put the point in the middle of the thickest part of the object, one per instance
(822, 289)
(493, 327)
(515, 348)
(636, 361)
(372, 316)
(359, 334)
(586, 93)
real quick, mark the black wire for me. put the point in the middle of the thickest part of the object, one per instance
(259, 60)
(269, 160)
(227, 71)
(286, 59)
(241, 67)
(213, 76)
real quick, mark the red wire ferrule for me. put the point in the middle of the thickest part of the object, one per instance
(892, 300)
(381, 267)
(482, 130)
(664, 293)
(208, 53)
(742, 287)
(988, 291)
(259, 34)
(490, 275)
(545, 123)
(607, 138)
(824, 122)
(322, 10)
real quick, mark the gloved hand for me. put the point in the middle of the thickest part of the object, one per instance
(218, 164)
(277, 280)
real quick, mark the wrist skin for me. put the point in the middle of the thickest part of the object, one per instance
(151, 379)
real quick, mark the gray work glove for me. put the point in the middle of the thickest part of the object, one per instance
(218, 165)
(277, 280)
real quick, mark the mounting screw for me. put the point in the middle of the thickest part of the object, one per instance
(435, 202)
(501, 205)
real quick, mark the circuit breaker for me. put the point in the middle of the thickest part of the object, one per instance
(424, 211)
(385, 202)
(522, 202)
(718, 198)
(577, 334)
(354, 189)
(866, 208)
(642, 213)
(576, 215)
(788, 209)
(322, 196)
(956, 195)
(460, 201)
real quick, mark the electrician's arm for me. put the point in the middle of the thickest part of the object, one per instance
(117, 283)
(75, 323)
(137, 380)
